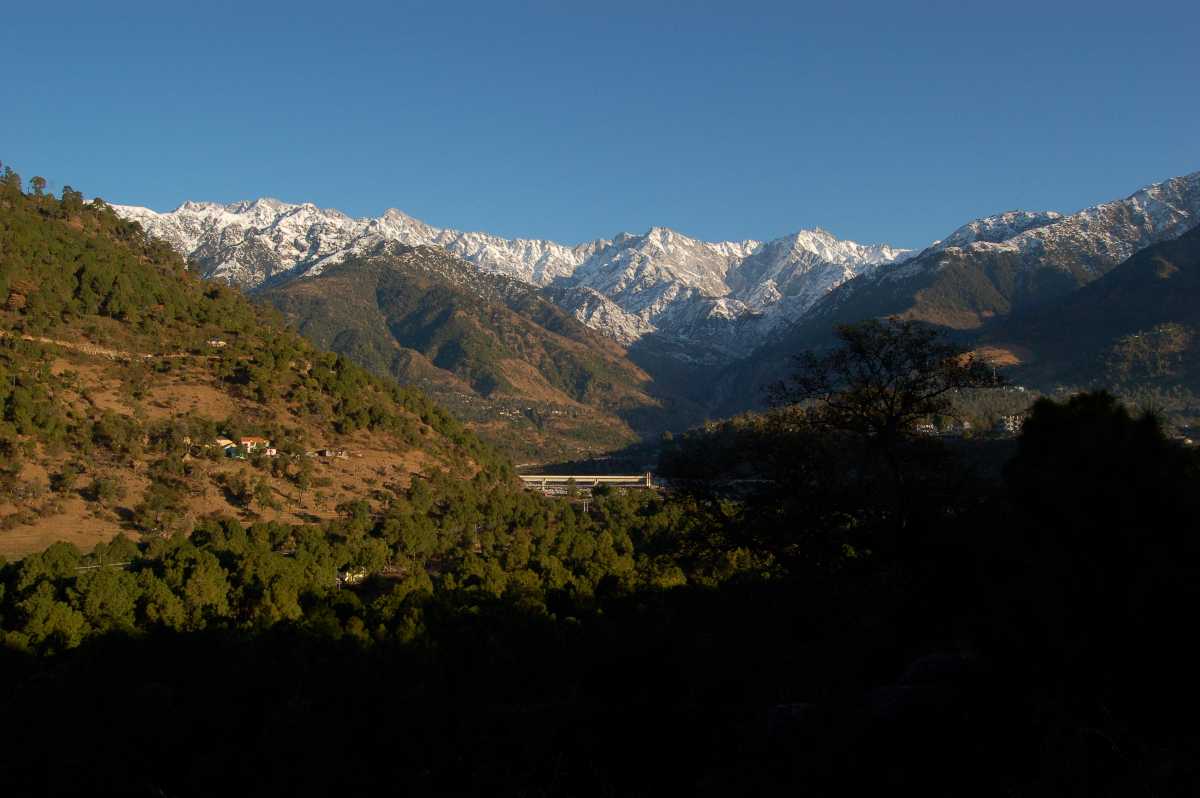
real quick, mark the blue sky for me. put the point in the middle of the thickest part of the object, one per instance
(877, 121)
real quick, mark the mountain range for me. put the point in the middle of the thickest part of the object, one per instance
(992, 266)
(696, 326)
(712, 301)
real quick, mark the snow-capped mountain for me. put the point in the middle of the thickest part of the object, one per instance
(729, 293)
(722, 297)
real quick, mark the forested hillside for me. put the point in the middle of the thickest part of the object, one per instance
(121, 371)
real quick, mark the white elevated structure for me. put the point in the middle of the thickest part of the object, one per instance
(559, 483)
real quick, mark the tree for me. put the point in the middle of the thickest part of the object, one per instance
(64, 480)
(263, 495)
(50, 624)
(884, 379)
(161, 506)
(37, 185)
(107, 598)
(72, 200)
(303, 478)
(10, 183)
(1104, 541)
(105, 491)
(240, 490)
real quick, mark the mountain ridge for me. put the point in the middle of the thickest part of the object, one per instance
(1071, 250)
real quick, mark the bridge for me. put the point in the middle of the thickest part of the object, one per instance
(561, 484)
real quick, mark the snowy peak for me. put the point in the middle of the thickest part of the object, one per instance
(788, 275)
(634, 265)
(827, 247)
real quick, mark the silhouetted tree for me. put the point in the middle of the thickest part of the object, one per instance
(885, 378)
(1104, 542)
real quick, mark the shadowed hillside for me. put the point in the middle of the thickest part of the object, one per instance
(1135, 326)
